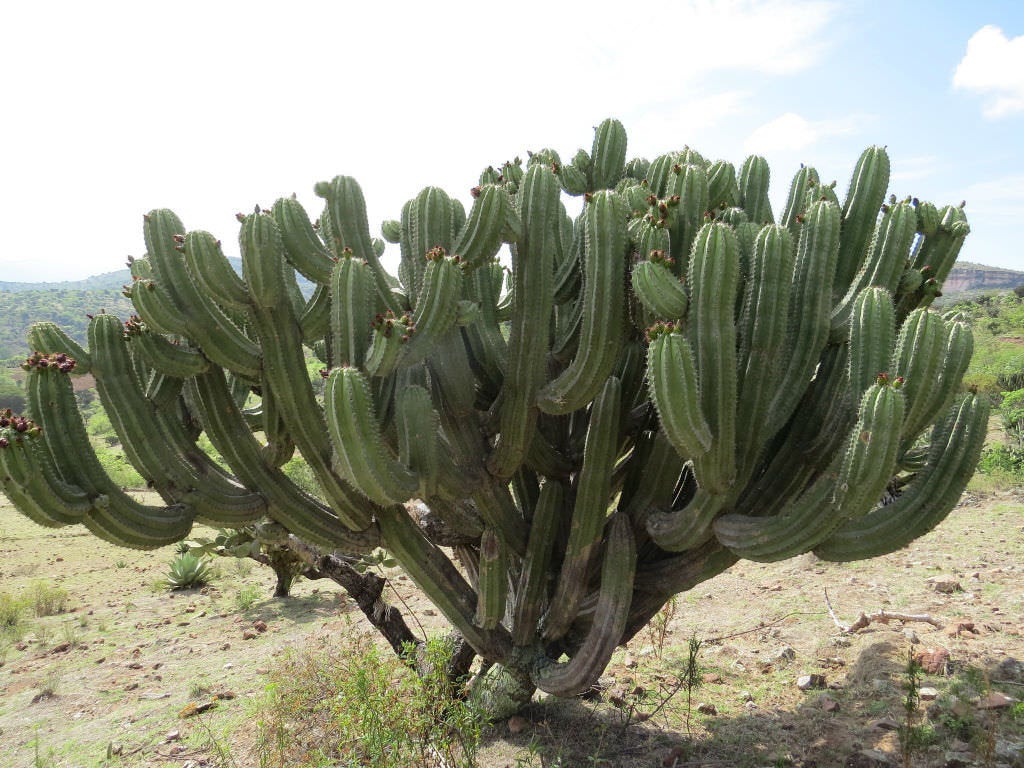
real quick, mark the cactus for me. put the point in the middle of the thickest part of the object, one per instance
(667, 383)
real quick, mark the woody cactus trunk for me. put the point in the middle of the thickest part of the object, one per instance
(633, 401)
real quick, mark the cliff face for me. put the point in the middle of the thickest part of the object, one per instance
(967, 277)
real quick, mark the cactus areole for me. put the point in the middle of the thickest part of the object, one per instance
(614, 409)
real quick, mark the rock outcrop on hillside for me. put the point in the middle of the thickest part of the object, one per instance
(973, 278)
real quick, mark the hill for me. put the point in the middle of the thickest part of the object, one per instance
(66, 303)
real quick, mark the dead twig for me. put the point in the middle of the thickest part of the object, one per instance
(883, 617)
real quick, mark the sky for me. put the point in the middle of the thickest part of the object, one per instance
(111, 109)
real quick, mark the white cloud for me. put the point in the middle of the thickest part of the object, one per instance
(1003, 197)
(791, 132)
(994, 67)
(913, 168)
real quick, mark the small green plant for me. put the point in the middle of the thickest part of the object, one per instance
(247, 597)
(48, 686)
(913, 736)
(354, 706)
(45, 599)
(658, 629)
(188, 571)
(12, 617)
(120, 564)
(692, 675)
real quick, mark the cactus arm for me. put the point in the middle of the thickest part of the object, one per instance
(659, 290)
(492, 581)
(289, 505)
(201, 320)
(601, 333)
(49, 338)
(484, 340)
(804, 180)
(956, 444)
(482, 234)
(532, 292)
(918, 359)
(723, 190)
(762, 339)
(436, 308)
(348, 227)
(884, 263)
(872, 335)
(157, 444)
(714, 281)
(31, 481)
(675, 391)
(532, 590)
(608, 155)
(212, 271)
(175, 360)
(688, 182)
(434, 573)
(303, 248)
(418, 430)
(352, 310)
(656, 478)
(809, 307)
(610, 616)
(590, 509)
(360, 454)
(315, 318)
(753, 183)
(863, 475)
(115, 516)
(860, 210)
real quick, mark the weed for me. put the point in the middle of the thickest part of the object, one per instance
(913, 736)
(70, 633)
(12, 618)
(247, 597)
(46, 600)
(657, 629)
(198, 688)
(353, 706)
(48, 686)
(121, 564)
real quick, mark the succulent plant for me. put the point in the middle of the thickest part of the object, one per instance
(622, 408)
(188, 571)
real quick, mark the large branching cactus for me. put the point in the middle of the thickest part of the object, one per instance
(669, 382)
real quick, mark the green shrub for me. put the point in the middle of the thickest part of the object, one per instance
(1000, 459)
(46, 599)
(354, 705)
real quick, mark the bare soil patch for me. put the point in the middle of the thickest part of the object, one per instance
(107, 682)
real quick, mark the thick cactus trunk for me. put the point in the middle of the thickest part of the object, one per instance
(620, 409)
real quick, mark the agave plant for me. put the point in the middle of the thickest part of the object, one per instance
(188, 571)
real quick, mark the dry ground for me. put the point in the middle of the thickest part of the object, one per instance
(105, 683)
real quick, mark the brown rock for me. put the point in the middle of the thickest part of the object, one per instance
(996, 700)
(260, 626)
(711, 678)
(934, 661)
(249, 634)
(828, 704)
(707, 709)
(868, 758)
(517, 724)
(61, 647)
(807, 682)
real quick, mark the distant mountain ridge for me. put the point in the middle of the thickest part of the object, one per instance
(965, 277)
